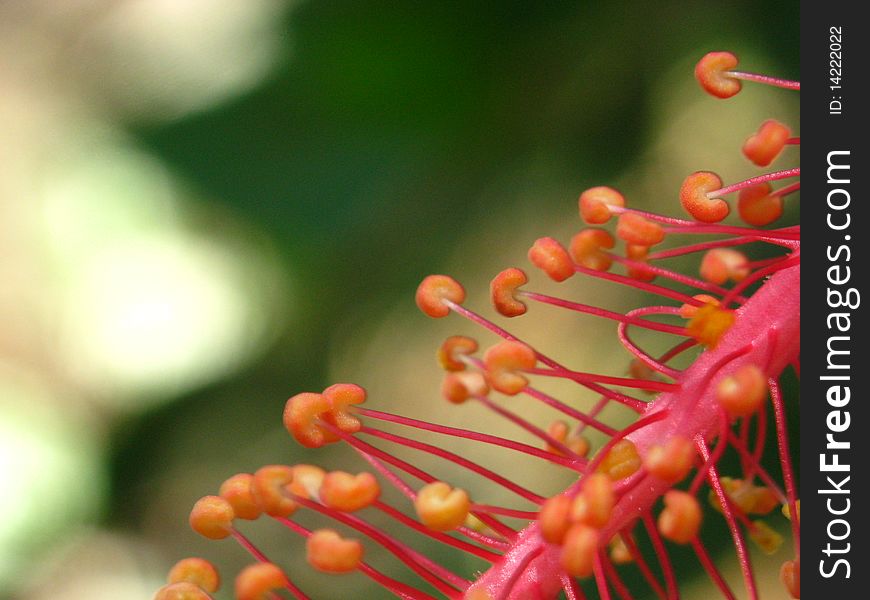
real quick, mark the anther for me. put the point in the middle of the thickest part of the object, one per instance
(237, 491)
(270, 489)
(712, 73)
(458, 387)
(307, 480)
(595, 204)
(638, 253)
(721, 264)
(197, 571)
(503, 289)
(588, 249)
(440, 507)
(554, 518)
(671, 461)
(619, 551)
(327, 551)
(638, 230)
(687, 311)
(757, 206)
(790, 576)
(348, 493)
(181, 591)
(503, 363)
(765, 145)
(742, 393)
(709, 324)
(681, 518)
(594, 504)
(621, 461)
(579, 549)
(786, 511)
(694, 196)
(254, 582)
(434, 290)
(551, 257)
(452, 349)
(766, 538)
(212, 517)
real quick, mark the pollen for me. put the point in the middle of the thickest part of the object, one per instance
(742, 393)
(712, 73)
(440, 507)
(695, 197)
(588, 249)
(212, 517)
(681, 518)
(434, 290)
(758, 206)
(595, 204)
(709, 324)
(638, 230)
(254, 582)
(270, 488)
(579, 549)
(327, 551)
(621, 461)
(197, 571)
(551, 257)
(721, 264)
(238, 492)
(452, 349)
(672, 460)
(764, 146)
(594, 504)
(348, 493)
(503, 363)
(503, 289)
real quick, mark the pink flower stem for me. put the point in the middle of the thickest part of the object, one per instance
(612, 575)
(701, 247)
(255, 552)
(753, 181)
(641, 563)
(679, 278)
(662, 555)
(711, 569)
(785, 461)
(766, 80)
(582, 377)
(600, 578)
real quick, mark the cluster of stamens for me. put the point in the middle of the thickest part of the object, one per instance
(739, 317)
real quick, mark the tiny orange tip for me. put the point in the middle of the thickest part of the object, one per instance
(687, 311)
(709, 324)
(197, 571)
(790, 576)
(672, 460)
(453, 349)
(270, 489)
(757, 206)
(440, 507)
(743, 392)
(551, 257)
(342, 397)
(459, 386)
(434, 290)
(348, 493)
(502, 292)
(307, 480)
(237, 491)
(254, 582)
(638, 253)
(559, 431)
(764, 146)
(595, 502)
(327, 551)
(595, 204)
(181, 591)
(681, 518)
(302, 414)
(503, 363)
(212, 517)
(554, 518)
(721, 264)
(579, 549)
(621, 461)
(588, 249)
(638, 230)
(712, 73)
(695, 200)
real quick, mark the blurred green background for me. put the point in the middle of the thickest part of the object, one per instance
(208, 205)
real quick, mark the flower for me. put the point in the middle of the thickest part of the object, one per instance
(744, 337)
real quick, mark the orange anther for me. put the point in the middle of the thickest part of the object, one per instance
(452, 349)
(786, 511)
(181, 591)
(712, 73)
(503, 363)
(343, 396)
(458, 387)
(434, 290)
(790, 576)
(765, 145)
(502, 292)
(212, 517)
(595, 204)
(559, 431)
(254, 582)
(302, 414)
(578, 550)
(477, 593)
(757, 206)
(687, 311)
(638, 230)
(307, 480)
(348, 493)
(681, 517)
(619, 551)
(440, 507)
(638, 253)
(695, 200)
(721, 264)
(743, 392)
(270, 488)
(327, 551)
(709, 324)
(595, 501)
(237, 491)
(621, 461)
(588, 249)
(749, 498)
(551, 257)
(554, 518)
(671, 461)
(765, 537)
(197, 571)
